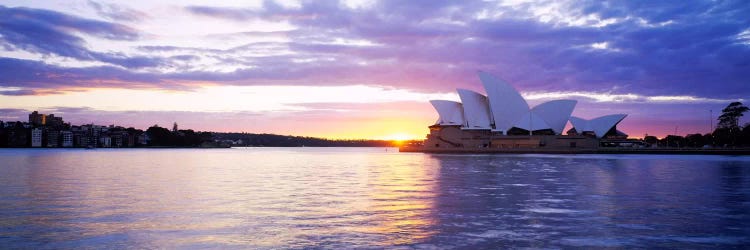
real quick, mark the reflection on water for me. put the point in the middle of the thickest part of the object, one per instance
(593, 201)
(237, 197)
(402, 196)
(352, 197)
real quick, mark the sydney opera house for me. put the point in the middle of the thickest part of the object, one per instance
(502, 120)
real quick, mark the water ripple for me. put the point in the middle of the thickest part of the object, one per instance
(266, 198)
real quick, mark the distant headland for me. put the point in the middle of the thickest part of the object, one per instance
(50, 131)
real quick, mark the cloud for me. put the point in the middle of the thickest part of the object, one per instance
(38, 77)
(12, 110)
(655, 49)
(17, 92)
(647, 49)
(116, 12)
(238, 14)
(379, 107)
(624, 98)
(53, 33)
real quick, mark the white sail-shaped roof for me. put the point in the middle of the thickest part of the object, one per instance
(599, 125)
(506, 104)
(450, 112)
(504, 108)
(476, 110)
(531, 121)
(580, 124)
(555, 113)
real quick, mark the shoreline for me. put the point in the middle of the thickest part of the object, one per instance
(155, 147)
(661, 151)
(169, 147)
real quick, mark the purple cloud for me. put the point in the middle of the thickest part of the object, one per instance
(116, 12)
(40, 76)
(51, 33)
(228, 13)
(695, 48)
(659, 48)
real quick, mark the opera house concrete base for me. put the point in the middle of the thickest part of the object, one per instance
(654, 151)
(454, 139)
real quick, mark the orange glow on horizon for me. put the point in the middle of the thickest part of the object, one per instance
(396, 129)
(399, 137)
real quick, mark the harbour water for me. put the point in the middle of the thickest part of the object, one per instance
(270, 198)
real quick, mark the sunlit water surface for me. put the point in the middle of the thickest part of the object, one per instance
(368, 198)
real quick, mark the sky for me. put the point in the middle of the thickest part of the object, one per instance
(367, 69)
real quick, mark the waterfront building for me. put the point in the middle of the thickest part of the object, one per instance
(36, 138)
(91, 133)
(130, 141)
(67, 139)
(143, 139)
(105, 141)
(476, 110)
(16, 135)
(81, 140)
(37, 119)
(117, 140)
(502, 119)
(599, 126)
(54, 121)
(51, 131)
(53, 138)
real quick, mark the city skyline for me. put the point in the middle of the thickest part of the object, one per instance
(366, 69)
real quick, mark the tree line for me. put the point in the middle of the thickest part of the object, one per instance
(273, 140)
(162, 137)
(728, 132)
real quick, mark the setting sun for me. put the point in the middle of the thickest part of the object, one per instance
(399, 137)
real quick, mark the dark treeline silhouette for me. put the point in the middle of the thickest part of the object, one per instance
(273, 140)
(728, 132)
(162, 137)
